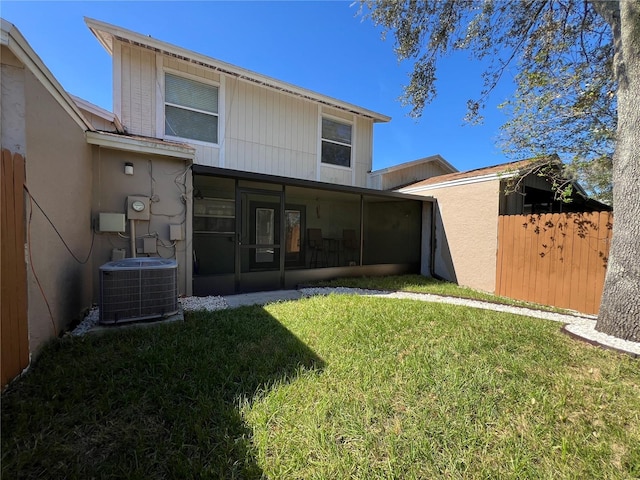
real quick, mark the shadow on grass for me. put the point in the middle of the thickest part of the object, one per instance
(163, 402)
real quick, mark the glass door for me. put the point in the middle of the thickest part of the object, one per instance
(259, 259)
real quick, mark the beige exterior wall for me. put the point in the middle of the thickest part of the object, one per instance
(261, 129)
(58, 173)
(467, 233)
(164, 180)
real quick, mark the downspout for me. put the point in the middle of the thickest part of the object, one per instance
(361, 230)
(432, 262)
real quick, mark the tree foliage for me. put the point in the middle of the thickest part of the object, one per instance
(562, 53)
(578, 64)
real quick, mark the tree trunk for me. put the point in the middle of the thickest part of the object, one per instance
(620, 306)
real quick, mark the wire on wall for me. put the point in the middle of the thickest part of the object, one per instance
(93, 236)
(33, 270)
(33, 201)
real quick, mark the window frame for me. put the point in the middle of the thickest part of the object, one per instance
(342, 121)
(194, 78)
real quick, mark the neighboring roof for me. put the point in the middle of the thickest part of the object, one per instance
(98, 112)
(140, 144)
(494, 172)
(498, 172)
(432, 159)
(11, 37)
(105, 33)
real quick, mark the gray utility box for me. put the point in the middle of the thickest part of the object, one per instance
(135, 289)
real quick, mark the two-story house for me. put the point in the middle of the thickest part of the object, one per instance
(277, 192)
(247, 182)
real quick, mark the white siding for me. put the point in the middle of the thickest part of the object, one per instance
(335, 175)
(269, 132)
(402, 177)
(363, 150)
(137, 94)
(261, 130)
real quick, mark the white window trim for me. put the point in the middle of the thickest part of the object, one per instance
(338, 120)
(161, 104)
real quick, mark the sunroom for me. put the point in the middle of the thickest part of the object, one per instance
(254, 232)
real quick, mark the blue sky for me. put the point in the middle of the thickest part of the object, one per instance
(322, 46)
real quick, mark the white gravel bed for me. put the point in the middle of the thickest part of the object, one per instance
(90, 320)
(588, 331)
(189, 304)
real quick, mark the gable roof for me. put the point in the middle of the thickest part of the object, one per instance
(12, 38)
(107, 33)
(494, 172)
(432, 159)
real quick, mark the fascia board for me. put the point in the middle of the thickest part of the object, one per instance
(4, 31)
(98, 28)
(459, 182)
(121, 142)
(13, 39)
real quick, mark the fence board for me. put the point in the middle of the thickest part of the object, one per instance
(13, 325)
(520, 278)
(552, 255)
(566, 246)
(554, 259)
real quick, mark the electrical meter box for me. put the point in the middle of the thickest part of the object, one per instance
(138, 208)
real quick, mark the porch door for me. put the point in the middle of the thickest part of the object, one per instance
(259, 253)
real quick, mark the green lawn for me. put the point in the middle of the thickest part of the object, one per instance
(323, 388)
(421, 284)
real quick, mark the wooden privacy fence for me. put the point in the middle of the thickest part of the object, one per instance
(13, 297)
(557, 259)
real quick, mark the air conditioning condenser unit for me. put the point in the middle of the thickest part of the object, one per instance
(135, 289)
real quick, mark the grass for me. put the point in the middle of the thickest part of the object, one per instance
(327, 387)
(421, 284)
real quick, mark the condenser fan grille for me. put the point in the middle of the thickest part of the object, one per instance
(138, 289)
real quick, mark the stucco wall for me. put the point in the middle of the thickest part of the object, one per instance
(467, 233)
(167, 182)
(58, 175)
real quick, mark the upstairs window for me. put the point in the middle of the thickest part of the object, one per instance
(336, 143)
(190, 109)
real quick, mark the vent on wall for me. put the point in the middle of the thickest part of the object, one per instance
(135, 289)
